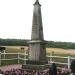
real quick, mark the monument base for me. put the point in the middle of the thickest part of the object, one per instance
(35, 67)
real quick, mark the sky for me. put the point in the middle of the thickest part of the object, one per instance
(58, 18)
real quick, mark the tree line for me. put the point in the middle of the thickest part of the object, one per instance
(23, 42)
(64, 45)
(13, 42)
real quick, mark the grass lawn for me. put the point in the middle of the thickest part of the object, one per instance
(16, 49)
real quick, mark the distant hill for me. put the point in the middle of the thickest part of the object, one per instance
(13, 42)
(64, 45)
(23, 42)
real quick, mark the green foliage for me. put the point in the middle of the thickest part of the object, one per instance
(64, 45)
(13, 42)
(23, 42)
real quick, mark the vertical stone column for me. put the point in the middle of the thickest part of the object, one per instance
(37, 50)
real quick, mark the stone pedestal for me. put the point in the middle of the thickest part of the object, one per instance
(35, 67)
(38, 69)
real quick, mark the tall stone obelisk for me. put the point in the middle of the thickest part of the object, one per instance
(37, 50)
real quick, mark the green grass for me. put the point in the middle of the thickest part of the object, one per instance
(15, 49)
(63, 60)
(12, 49)
(7, 62)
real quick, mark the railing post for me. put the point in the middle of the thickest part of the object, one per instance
(18, 58)
(68, 62)
(50, 57)
(4, 54)
(25, 57)
(0, 58)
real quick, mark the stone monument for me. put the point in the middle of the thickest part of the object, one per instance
(37, 50)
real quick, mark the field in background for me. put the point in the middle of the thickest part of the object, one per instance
(15, 49)
(55, 51)
(50, 51)
(61, 51)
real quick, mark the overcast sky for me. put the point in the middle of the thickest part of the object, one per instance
(58, 19)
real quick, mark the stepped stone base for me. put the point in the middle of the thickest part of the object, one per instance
(35, 67)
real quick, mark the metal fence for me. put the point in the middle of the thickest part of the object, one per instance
(24, 56)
